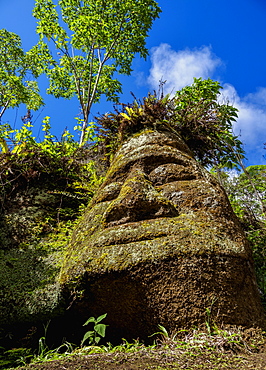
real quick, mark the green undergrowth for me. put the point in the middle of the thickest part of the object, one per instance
(218, 347)
(44, 188)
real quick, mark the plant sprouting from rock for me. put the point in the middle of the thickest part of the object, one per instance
(194, 113)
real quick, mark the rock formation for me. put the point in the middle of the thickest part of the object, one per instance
(160, 244)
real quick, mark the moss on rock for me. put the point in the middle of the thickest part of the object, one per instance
(158, 243)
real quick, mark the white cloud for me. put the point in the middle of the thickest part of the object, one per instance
(258, 97)
(251, 121)
(178, 68)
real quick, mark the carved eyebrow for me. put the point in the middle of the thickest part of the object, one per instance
(147, 160)
(170, 172)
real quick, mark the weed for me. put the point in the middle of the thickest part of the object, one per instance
(94, 336)
(165, 337)
(217, 339)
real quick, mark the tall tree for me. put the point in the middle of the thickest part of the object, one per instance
(247, 194)
(94, 39)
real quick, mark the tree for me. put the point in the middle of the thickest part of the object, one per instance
(100, 38)
(17, 74)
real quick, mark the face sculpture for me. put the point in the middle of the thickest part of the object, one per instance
(156, 201)
(158, 244)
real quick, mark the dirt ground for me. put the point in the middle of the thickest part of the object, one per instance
(163, 359)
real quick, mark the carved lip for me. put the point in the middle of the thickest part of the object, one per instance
(184, 230)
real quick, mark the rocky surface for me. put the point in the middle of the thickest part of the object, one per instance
(159, 244)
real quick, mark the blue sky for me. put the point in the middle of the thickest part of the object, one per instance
(193, 38)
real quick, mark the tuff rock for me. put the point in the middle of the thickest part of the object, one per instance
(160, 244)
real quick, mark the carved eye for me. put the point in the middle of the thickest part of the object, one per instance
(170, 172)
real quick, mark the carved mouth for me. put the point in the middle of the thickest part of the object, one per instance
(130, 232)
(121, 246)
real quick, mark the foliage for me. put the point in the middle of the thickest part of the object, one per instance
(218, 339)
(206, 124)
(18, 72)
(46, 354)
(257, 239)
(163, 333)
(44, 187)
(184, 348)
(94, 336)
(247, 192)
(68, 168)
(14, 357)
(194, 113)
(98, 39)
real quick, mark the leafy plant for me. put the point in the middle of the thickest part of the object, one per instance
(206, 124)
(98, 332)
(98, 39)
(46, 354)
(69, 172)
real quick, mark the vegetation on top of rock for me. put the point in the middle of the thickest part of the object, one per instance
(195, 113)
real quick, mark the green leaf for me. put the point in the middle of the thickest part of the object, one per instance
(100, 318)
(97, 340)
(163, 330)
(91, 319)
(88, 335)
(100, 329)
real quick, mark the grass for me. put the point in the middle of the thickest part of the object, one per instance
(228, 348)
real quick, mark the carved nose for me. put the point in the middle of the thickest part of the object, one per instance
(138, 200)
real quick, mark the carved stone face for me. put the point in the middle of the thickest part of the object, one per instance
(159, 243)
(156, 199)
(135, 190)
